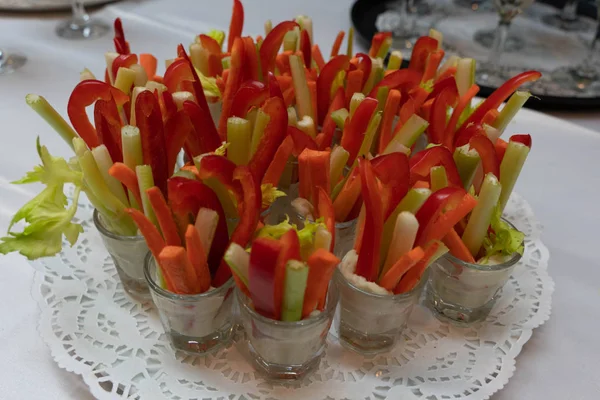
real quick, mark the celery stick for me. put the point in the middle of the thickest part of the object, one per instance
(481, 216)
(141, 78)
(132, 146)
(185, 174)
(206, 225)
(292, 116)
(145, 182)
(395, 60)
(303, 100)
(79, 147)
(268, 27)
(405, 231)
(349, 49)
(396, 147)
(437, 35)
(337, 162)
(226, 61)
(375, 75)
(511, 108)
(225, 197)
(322, 239)
(410, 132)
(181, 97)
(86, 74)
(467, 161)
(155, 86)
(465, 75)
(104, 162)
(452, 61)
(355, 101)
(289, 41)
(109, 58)
(372, 128)
(199, 58)
(41, 106)
(238, 260)
(510, 168)
(338, 82)
(385, 47)
(382, 94)
(239, 136)
(339, 117)
(94, 180)
(439, 179)
(218, 35)
(442, 249)
(296, 276)
(307, 125)
(134, 94)
(262, 120)
(306, 24)
(124, 80)
(492, 133)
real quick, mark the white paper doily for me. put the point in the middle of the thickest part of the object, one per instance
(118, 346)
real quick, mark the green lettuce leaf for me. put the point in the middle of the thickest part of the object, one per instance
(504, 240)
(209, 85)
(270, 193)
(306, 235)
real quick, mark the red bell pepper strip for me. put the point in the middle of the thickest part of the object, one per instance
(261, 276)
(127, 177)
(318, 56)
(437, 119)
(306, 48)
(424, 46)
(337, 43)
(524, 139)
(274, 134)
(236, 25)
(500, 146)
(368, 258)
(406, 111)
(108, 127)
(251, 60)
(377, 41)
(210, 44)
(274, 87)
(245, 229)
(121, 45)
(502, 93)
(326, 211)
(290, 250)
(487, 152)
(321, 266)
(434, 206)
(325, 80)
(204, 138)
(164, 216)
(215, 65)
(419, 95)
(433, 62)
(177, 130)
(466, 135)
(300, 140)
(85, 94)
(325, 138)
(169, 107)
(441, 85)
(186, 197)
(123, 61)
(195, 81)
(402, 78)
(315, 164)
(234, 80)
(277, 166)
(149, 63)
(365, 65)
(389, 114)
(250, 94)
(178, 72)
(463, 102)
(270, 46)
(153, 238)
(221, 168)
(446, 221)
(394, 173)
(422, 162)
(354, 131)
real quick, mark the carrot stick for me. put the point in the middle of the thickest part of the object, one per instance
(389, 113)
(449, 72)
(421, 185)
(406, 262)
(164, 216)
(345, 200)
(285, 82)
(412, 277)
(234, 80)
(127, 177)
(304, 180)
(277, 166)
(433, 62)
(460, 107)
(282, 62)
(289, 96)
(446, 222)
(318, 56)
(353, 84)
(457, 247)
(406, 111)
(148, 63)
(321, 265)
(490, 117)
(154, 241)
(177, 269)
(197, 257)
(335, 49)
(312, 89)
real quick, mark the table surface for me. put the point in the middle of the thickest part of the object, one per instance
(561, 181)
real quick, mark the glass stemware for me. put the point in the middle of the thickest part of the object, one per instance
(81, 25)
(10, 62)
(566, 19)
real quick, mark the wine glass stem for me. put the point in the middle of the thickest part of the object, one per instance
(2, 60)
(569, 11)
(499, 41)
(79, 13)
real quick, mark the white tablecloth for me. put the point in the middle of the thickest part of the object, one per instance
(561, 181)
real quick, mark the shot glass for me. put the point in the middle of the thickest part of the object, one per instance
(128, 254)
(370, 323)
(196, 324)
(285, 350)
(464, 293)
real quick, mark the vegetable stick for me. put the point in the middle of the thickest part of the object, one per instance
(181, 97)
(206, 224)
(290, 40)
(239, 134)
(350, 44)
(151, 234)
(41, 106)
(457, 247)
(389, 113)
(292, 116)
(296, 276)
(490, 117)
(403, 239)
(465, 75)
(277, 166)
(290, 251)
(127, 177)
(125, 80)
(268, 26)
(261, 122)
(447, 220)
(234, 80)
(303, 97)
(132, 146)
(109, 58)
(149, 63)
(134, 95)
(433, 62)
(355, 101)
(510, 168)
(463, 102)
(335, 49)
(312, 90)
(353, 85)
(236, 24)
(86, 74)
(177, 270)
(338, 160)
(164, 217)
(145, 182)
(501, 146)
(307, 125)
(96, 183)
(339, 117)
(408, 134)
(104, 162)
(510, 109)
(395, 60)
(321, 266)
(411, 278)
(370, 133)
(439, 179)
(467, 160)
(405, 263)
(261, 275)
(323, 239)
(318, 56)
(238, 260)
(197, 256)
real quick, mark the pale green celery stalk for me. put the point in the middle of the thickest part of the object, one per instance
(442, 249)
(372, 128)
(481, 216)
(296, 276)
(437, 35)
(131, 142)
(268, 27)
(125, 79)
(145, 182)
(385, 47)
(292, 116)
(226, 61)
(452, 61)
(465, 75)
(185, 174)
(403, 239)
(375, 76)
(510, 168)
(510, 109)
(303, 101)
(218, 35)
(141, 78)
(349, 49)
(492, 133)
(156, 86)
(322, 239)
(134, 94)
(439, 179)
(411, 203)
(41, 106)
(86, 74)
(199, 58)
(395, 60)
(410, 132)
(181, 97)
(261, 122)
(94, 180)
(307, 125)
(467, 160)
(396, 147)
(79, 147)
(339, 117)
(169, 61)
(355, 101)
(221, 191)
(289, 41)
(109, 58)
(306, 23)
(251, 116)
(104, 162)
(238, 260)
(239, 134)
(338, 82)
(337, 162)
(382, 94)
(336, 190)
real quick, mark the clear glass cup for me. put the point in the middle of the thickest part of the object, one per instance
(196, 324)
(369, 323)
(10, 62)
(128, 254)
(81, 25)
(285, 350)
(566, 19)
(465, 293)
